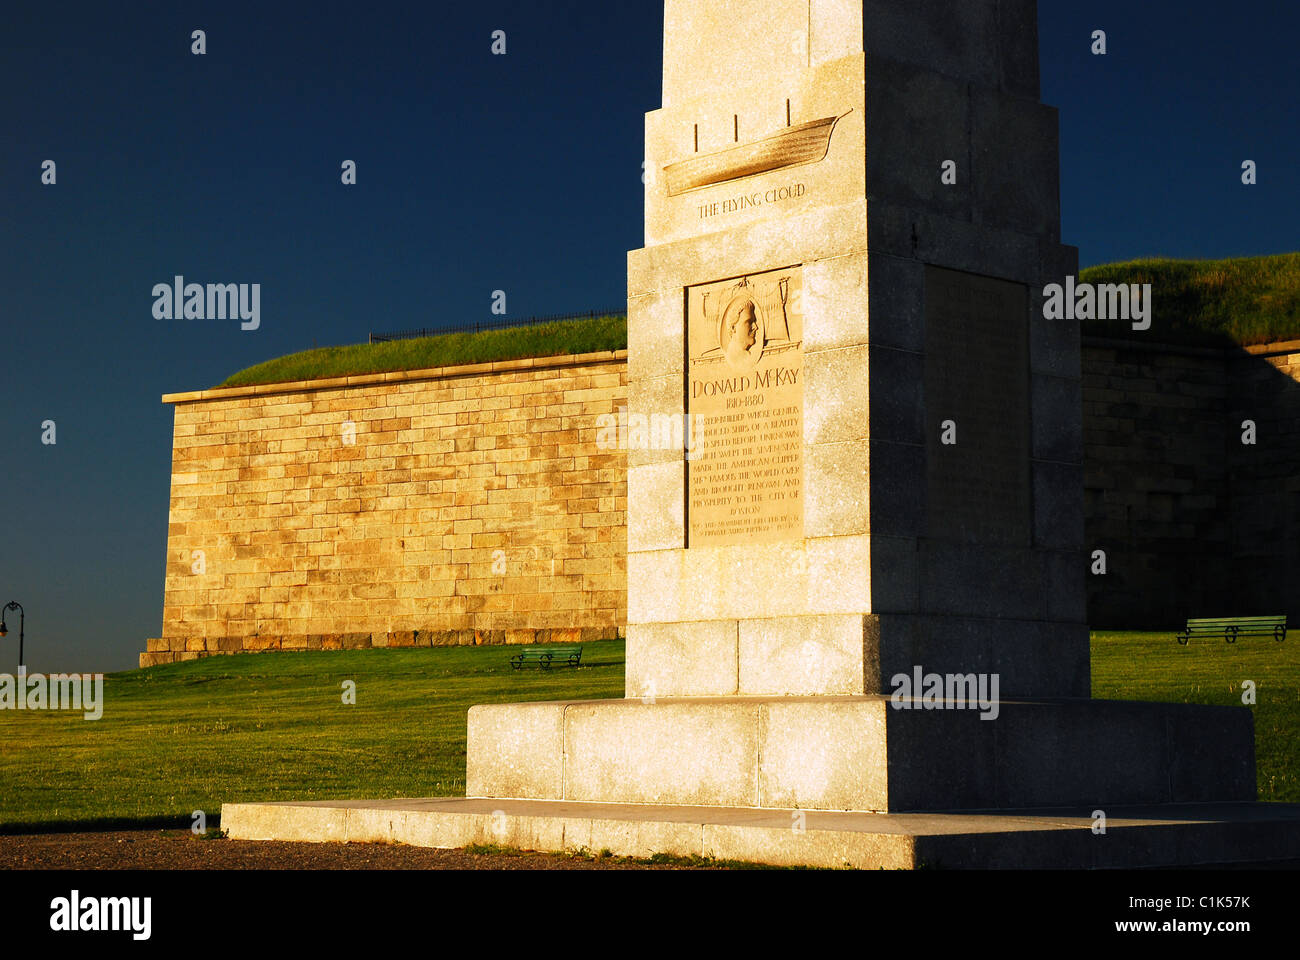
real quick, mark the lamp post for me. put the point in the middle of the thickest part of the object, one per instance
(4, 629)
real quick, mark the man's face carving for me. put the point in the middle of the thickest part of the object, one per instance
(743, 330)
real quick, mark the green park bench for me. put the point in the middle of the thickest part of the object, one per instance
(545, 656)
(1230, 628)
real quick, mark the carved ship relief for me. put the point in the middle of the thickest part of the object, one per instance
(792, 147)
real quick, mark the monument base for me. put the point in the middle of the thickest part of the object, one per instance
(862, 753)
(851, 654)
(1169, 835)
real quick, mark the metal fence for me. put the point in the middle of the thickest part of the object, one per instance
(502, 324)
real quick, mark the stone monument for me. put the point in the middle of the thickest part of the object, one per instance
(852, 212)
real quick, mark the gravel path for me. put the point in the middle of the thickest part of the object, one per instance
(181, 850)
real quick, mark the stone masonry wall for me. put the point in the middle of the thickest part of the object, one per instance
(460, 505)
(1193, 521)
(1264, 482)
(1155, 481)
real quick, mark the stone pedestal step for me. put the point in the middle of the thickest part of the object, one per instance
(1160, 836)
(861, 753)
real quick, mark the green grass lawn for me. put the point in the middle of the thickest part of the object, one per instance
(1152, 666)
(589, 335)
(272, 726)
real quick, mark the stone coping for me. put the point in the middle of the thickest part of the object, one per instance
(1272, 349)
(1257, 350)
(398, 376)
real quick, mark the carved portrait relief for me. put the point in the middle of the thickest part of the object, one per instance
(751, 322)
(745, 400)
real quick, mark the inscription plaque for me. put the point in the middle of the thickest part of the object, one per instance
(744, 395)
(977, 375)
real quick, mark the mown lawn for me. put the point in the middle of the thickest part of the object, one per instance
(1153, 666)
(273, 726)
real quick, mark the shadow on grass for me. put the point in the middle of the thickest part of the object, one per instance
(103, 824)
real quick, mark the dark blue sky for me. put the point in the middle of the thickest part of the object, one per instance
(475, 173)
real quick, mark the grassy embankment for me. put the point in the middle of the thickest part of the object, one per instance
(1217, 303)
(590, 335)
(1247, 300)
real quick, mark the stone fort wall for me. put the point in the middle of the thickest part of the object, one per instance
(1194, 522)
(461, 505)
(474, 504)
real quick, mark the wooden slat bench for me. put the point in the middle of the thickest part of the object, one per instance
(545, 656)
(1230, 628)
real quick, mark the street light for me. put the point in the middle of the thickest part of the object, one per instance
(4, 629)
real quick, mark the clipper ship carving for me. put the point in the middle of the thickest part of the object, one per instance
(795, 146)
